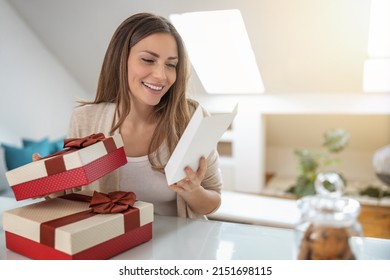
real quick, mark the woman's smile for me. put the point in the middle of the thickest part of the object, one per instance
(153, 87)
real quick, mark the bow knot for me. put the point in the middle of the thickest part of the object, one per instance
(72, 144)
(113, 202)
(83, 142)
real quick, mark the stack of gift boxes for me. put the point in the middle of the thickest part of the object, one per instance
(80, 225)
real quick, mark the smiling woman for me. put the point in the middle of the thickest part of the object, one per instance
(142, 95)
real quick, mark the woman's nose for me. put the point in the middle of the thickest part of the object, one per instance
(159, 72)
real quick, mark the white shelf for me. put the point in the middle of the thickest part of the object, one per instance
(278, 185)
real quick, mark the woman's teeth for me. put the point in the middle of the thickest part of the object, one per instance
(152, 86)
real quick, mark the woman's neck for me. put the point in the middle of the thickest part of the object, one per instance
(137, 131)
(140, 114)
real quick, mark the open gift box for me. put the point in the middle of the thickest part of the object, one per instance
(76, 226)
(83, 161)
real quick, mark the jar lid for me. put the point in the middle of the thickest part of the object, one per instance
(329, 207)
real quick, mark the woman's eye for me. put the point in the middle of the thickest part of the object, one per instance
(171, 65)
(148, 60)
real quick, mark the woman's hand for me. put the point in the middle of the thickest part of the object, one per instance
(36, 157)
(192, 182)
(201, 200)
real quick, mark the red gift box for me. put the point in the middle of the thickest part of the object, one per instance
(84, 161)
(67, 228)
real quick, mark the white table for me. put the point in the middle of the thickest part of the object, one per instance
(178, 238)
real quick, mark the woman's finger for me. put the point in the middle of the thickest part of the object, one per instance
(36, 157)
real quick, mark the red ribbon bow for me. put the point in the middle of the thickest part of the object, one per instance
(83, 142)
(113, 202)
(72, 144)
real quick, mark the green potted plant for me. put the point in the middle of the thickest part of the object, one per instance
(312, 162)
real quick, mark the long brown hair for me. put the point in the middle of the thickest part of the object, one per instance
(173, 111)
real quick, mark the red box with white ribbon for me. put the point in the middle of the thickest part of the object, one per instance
(83, 225)
(83, 161)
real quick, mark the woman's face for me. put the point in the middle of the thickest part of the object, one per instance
(152, 67)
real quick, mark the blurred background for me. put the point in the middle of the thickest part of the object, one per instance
(296, 68)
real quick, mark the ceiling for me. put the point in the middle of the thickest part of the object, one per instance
(300, 46)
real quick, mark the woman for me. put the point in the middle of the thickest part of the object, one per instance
(141, 94)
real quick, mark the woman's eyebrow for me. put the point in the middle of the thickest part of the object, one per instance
(157, 55)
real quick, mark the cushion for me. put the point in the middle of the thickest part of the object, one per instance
(27, 142)
(3, 168)
(18, 156)
(57, 145)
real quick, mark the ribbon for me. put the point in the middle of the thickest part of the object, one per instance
(131, 215)
(55, 162)
(80, 143)
(114, 202)
(72, 144)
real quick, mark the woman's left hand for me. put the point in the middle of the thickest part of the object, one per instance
(192, 182)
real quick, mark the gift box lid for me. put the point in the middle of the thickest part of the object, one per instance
(54, 164)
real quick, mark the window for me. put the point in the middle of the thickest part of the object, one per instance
(220, 51)
(377, 67)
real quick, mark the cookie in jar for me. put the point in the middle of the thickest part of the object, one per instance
(326, 243)
(328, 229)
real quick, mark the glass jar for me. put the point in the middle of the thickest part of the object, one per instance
(328, 229)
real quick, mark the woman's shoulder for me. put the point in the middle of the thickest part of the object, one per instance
(92, 109)
(91, 118)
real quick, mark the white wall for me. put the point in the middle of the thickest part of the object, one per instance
(37, 94)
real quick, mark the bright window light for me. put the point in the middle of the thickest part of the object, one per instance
(220, 51)
(377, 75)
(379, 32)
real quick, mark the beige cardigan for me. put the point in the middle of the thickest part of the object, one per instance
(89, 119)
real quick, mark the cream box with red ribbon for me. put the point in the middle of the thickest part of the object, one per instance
(83, 161)
(76, 226)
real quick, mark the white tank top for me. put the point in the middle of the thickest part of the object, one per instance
(148, 185)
